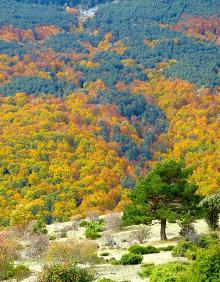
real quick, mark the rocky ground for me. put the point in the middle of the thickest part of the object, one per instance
(118, 273)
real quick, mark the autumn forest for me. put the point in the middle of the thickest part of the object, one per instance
(89, 103)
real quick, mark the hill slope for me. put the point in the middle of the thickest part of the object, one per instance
(88, 106)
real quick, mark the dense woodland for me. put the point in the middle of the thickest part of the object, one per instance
(89, 106)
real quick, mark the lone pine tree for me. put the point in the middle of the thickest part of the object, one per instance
(165, 194)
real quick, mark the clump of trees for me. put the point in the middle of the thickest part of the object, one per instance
(25, 15)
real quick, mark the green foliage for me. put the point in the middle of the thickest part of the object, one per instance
(86, 4)
(93, 230)
(166, 249)
(190, 250)
(68, 42)
(132, 105)
(182, 247)
(84, 223)
(7, 271)
(65, 273)
(40, 227)
(197, 62)
(137, 249)
(18, 272)
(167, 272)
(206, 241)
(135, 214)
(52, 237)
(164, 193)
(26, 15)
(131, 259)
(146, 270)
(206, 266)
(105, 254)
(36, 86)
(21, 272)
(12, 48)
(212, 205)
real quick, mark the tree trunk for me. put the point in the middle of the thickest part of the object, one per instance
(163, 224)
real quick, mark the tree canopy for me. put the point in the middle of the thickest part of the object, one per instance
(164, 194)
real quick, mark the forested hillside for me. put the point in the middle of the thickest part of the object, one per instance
(90, 103)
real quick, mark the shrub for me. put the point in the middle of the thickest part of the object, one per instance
(166, 249)
(38, 245)
(109, 240)
(136, 249)
(104, 254)
(92, 234)
(52, 237)
(21, 272)
(141, 234)
(206, 241)
(63, 234)
(188, 231)
(7, 271)
(181, 248)
(167, 272)
(65, 273)
(206, 266)
(113, 222)
(191, 254)
(72, 251)
(114, 261)
(131, 259)
(84, 223)
(40, 227)
(8, 253)
(93, 229)
(146, 270)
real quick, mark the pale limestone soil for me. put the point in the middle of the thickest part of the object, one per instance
(120, 273)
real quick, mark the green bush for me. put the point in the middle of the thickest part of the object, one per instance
(63, 234)
(7, 272)
(84, 223)
(105, 254)
(114, 261)
(167, 272)
(191, 254)
(206, 241)
(92, 234)
(93, 229)
(52, 237)
(40, 227)
(21, 272)
(65, 273)
(206, 268)
(146, 270)
(131, 259)
(137, 249)
(182, 247)
(166, 249)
